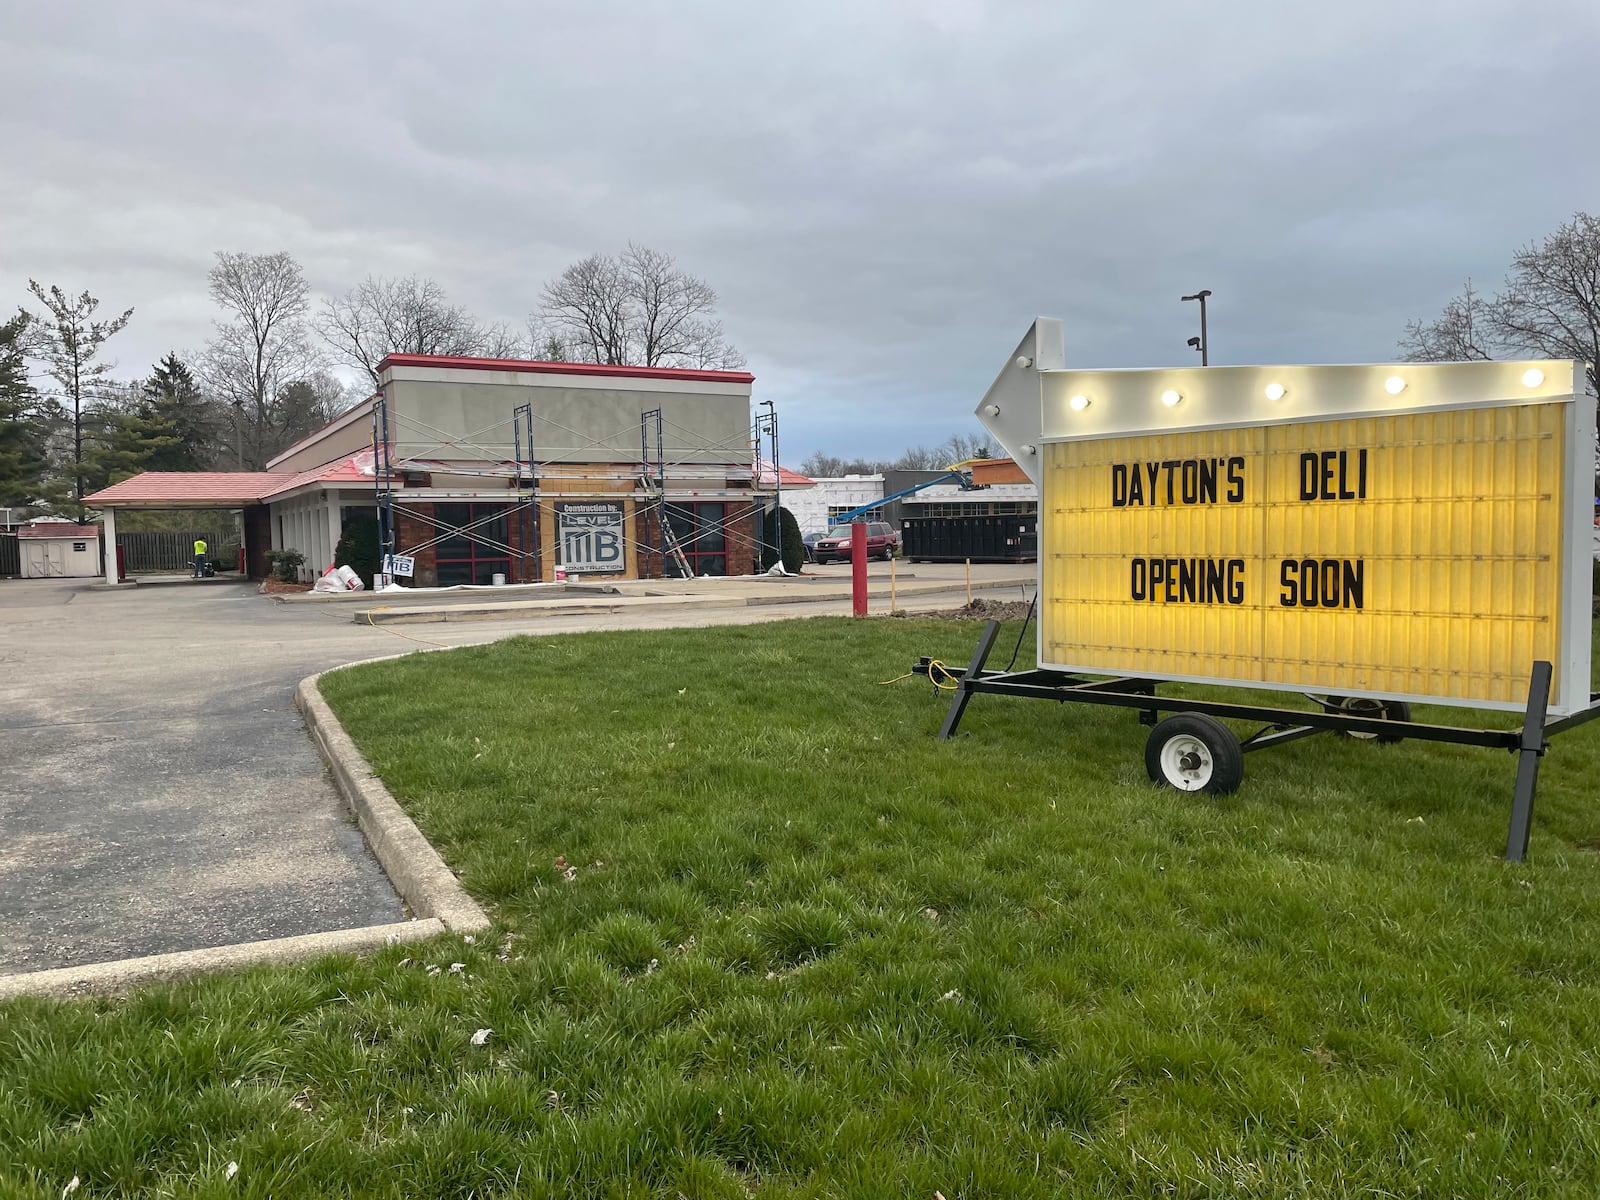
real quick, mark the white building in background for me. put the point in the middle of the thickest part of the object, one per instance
(830, 497)
(949, 500)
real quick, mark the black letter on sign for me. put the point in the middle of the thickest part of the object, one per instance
(1236, 581)
(1289, 597)
(1355, 582)
(1308, 476)
(1235, 480)
(1119, 485)
(1136, 589)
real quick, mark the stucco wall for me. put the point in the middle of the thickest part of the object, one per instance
(472, 419)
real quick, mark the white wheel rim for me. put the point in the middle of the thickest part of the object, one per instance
(1187, 763)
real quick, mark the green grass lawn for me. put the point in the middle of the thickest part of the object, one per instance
(759, 934)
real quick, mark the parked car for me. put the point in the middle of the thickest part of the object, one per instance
(882, 542)
(810, 541)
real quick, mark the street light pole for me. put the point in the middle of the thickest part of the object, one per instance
(1201, 343)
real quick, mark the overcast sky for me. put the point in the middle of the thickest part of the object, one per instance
(883, 192)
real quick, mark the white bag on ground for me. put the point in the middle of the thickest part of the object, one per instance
(340, 579)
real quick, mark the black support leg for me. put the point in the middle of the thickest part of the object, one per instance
(1529, 750)
(958, 703)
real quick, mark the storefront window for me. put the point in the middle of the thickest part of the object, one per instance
(700, 530)
(473, 545)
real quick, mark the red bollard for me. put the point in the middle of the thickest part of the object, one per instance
(858, 568)
(122, 566)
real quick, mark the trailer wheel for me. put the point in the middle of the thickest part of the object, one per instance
(1194, 753)
(1367, 706)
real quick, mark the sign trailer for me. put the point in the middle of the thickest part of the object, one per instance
(1365, 536)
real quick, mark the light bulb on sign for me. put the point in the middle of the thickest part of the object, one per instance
(992, 409)
(1276, 391)
(1532, 377)
(1394, 385)
(1078, 403)
(1170, 398)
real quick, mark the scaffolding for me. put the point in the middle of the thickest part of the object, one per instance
(526, 503)
(383, 481)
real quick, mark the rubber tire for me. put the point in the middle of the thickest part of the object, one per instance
(1227, 757)
(1389, 710)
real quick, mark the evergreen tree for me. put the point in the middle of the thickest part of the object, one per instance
(68, 339)
(23, 464)
(177, 411)
(128, 435)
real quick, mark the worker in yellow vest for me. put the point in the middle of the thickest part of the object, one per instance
(199, 557)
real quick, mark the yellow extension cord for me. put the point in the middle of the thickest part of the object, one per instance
(935, 667)
(396, 632)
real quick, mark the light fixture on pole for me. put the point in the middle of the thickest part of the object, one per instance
(767, 423)
(1200, 343)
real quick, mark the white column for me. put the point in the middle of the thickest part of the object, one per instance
(110, 519)
(330, 508)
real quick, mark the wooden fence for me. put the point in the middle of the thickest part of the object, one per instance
(152, 553)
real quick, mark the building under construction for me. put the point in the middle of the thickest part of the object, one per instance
(491, 470)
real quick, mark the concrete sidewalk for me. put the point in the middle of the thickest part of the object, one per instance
(395, 608)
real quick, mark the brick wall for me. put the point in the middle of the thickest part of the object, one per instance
(411, 531)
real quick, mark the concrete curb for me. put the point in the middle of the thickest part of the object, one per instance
(128, 973)
(421, 877)
(444, 614)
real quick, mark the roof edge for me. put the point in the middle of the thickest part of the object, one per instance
(544, 367)
(339, 422)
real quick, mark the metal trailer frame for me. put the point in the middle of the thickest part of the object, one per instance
(1529, 743)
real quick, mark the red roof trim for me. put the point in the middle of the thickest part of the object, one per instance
(533, 366)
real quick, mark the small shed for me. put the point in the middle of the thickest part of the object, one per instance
(55, 550)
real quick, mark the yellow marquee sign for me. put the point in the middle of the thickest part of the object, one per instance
(1418, 532)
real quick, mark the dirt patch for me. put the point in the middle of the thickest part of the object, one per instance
(979, 610)
(277, 587)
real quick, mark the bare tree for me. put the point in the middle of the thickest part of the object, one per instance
(1463, 331)
(544, 343)
(68, 339)
(405, 316)
(1550, 307)
(638, 309)
(588, 303)
(1551, 303)
(959, 447)
(919, 458)
(821, 465)
(500, 341)
(261, 348)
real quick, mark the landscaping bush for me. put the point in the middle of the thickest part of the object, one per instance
(794, 549)
(358, 546)
(286, 564)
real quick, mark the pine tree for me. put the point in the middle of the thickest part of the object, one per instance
(68, 338)
(23, 464)
(127, 436)
(176, 408)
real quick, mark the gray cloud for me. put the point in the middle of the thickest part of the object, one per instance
(884, 194)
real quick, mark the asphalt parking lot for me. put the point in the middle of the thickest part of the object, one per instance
(158, 790)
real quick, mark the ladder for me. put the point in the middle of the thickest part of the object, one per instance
(671, 548)
(653, 479)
